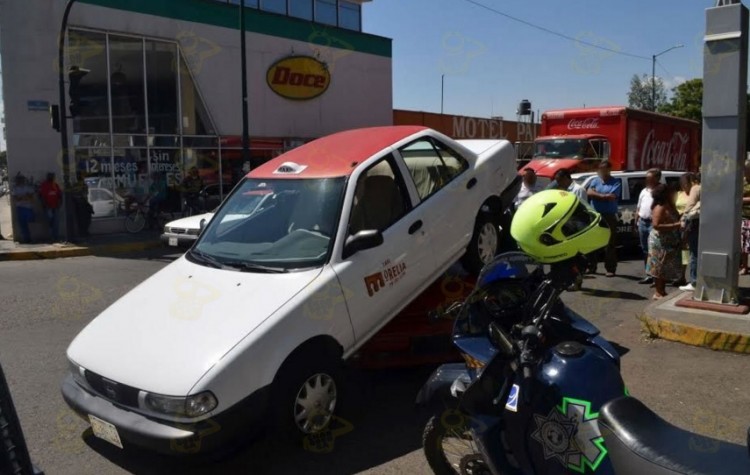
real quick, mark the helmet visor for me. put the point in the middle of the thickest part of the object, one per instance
(581, 219)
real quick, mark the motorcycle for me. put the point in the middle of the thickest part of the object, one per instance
(551, 400)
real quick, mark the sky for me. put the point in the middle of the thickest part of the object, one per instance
(490, 63)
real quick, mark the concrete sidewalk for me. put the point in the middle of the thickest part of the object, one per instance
(698, 327)
(101, 244)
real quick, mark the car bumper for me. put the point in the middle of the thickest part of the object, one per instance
(178, 240)
(174, 438)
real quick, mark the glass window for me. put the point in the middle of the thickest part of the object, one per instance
(94, 180)
(379, 199)
(126, 80)
(301, 9)
(350, 15)
(88, 100)
(635, 185)
(431, 165)
(206, 162)
(195, 119)
(165, 166)
(325, 12)
(131, 174)
(161, 83)
(248, 3)
(274, 6)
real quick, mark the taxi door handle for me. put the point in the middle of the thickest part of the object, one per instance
(415, 227)
(470, 184)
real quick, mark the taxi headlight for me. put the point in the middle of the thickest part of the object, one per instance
(190, 406)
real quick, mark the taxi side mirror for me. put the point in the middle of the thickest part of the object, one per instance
(361, 241)
(202, 226)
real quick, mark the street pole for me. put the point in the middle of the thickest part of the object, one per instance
(243, 62)
(67, 199)
(442, 91)
(653, 74)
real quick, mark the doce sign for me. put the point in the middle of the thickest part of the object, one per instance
(298, 77)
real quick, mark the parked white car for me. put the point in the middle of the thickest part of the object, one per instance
(310, 255)
(184, 232)
(632, 184)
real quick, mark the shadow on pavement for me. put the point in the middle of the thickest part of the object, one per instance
(385, 424)
(612, 294)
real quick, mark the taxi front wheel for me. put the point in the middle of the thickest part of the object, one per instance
(484, 243)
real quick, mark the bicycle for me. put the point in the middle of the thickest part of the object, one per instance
(139, 215)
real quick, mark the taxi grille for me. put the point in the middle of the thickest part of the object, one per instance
(178, 230)
(113, 391)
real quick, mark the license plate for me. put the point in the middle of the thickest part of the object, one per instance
(105, 431)
(172, 241)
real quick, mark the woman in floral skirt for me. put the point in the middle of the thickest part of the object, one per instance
(664, 242)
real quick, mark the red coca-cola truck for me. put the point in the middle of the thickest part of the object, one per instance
(579, 139)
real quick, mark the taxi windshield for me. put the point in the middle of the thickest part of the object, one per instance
(273, 225)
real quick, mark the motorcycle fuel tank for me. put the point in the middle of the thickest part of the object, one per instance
(552, 418)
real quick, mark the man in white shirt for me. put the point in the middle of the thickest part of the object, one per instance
(643, 215)
(529, 186)
(565, 182)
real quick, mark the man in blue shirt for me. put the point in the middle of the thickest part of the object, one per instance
(604, 194)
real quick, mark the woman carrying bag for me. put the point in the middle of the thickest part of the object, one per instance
(691, 222)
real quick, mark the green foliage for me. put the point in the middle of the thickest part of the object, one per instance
(641, 93)
(3, 158)
(687, 100)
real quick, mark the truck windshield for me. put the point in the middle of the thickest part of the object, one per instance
(273, 225)
(563, 148)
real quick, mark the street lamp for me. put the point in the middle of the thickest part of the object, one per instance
(243, 60)
(67, 200)
(442, 91)
(653, 74)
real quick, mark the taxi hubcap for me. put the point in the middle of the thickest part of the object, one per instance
(487, 242)
(315, 403)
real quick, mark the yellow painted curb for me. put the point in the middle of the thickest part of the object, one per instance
(77, 251)
(696, 336)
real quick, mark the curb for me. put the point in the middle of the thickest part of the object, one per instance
(77, 251)
(695, 335)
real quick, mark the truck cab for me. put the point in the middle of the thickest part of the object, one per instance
(576, 153)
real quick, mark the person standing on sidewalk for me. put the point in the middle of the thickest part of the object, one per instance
(643, 217)
(51, 196)
(24, 197)
(691, 222)
(604, 194)
(565, 182)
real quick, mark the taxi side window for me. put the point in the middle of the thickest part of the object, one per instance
(431, 165)
(380, 198)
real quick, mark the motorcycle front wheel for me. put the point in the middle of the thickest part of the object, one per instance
(449, 448)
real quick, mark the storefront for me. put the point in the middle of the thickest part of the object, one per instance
(154, 89)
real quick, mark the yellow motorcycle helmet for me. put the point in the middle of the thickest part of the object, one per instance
(553, 225)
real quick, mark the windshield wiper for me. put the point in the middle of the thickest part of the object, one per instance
(252, 267)
(206, 259)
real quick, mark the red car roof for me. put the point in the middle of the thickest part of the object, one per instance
(337, 154)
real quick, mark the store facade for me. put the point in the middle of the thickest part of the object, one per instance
(154, 88)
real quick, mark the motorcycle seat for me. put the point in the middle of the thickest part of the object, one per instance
(640, 442)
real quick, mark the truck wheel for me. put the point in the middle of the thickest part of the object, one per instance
(484, 244)
(306, 395)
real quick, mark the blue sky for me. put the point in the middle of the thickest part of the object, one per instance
(491, 63)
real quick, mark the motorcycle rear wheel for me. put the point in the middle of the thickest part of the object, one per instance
(447, 445)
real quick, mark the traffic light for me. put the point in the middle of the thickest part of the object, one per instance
(54, 116)
(75, 74)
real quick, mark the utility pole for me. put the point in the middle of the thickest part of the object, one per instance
(243, 62)
(67, 198)
(442, 91)
(653, 74)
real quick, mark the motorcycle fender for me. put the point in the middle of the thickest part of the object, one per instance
(440, 382)
(607, 347)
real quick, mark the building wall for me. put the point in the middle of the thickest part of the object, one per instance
(360, 91)
(463, 127)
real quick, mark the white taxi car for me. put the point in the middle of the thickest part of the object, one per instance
(256, 318)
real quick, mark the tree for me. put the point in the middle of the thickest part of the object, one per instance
(3, 158)
(687, 101)
(641, 93)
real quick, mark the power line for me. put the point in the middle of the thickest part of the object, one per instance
(557, 33)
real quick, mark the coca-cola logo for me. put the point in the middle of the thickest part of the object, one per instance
(669, 154)
(578, 124)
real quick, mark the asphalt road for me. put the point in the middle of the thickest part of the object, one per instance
(43, 304)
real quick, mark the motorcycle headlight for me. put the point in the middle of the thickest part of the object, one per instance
(190, 406)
